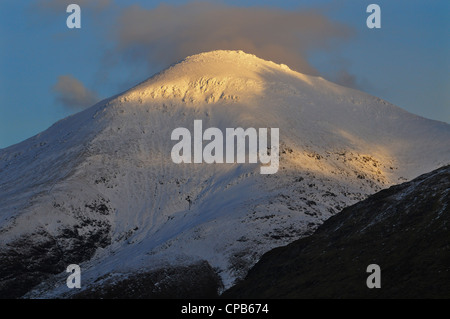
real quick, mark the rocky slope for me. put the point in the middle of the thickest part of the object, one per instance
(404, 229)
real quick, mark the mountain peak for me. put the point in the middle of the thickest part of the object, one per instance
(212, 77)
(234, 56)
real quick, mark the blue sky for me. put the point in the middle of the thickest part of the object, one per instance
(405, 62)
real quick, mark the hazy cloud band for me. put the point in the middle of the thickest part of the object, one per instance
(170, 33)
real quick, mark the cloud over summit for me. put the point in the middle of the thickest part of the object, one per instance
(169, 33)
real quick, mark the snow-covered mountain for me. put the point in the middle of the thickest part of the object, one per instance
(99, 188)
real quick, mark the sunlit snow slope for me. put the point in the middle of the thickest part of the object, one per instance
(99, 188)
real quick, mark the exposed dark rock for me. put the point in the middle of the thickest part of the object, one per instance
(32, 258)
(404, 229)
(182, 282)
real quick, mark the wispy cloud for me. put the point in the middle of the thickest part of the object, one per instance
(72, 94)
(169, 33)
(344, 78)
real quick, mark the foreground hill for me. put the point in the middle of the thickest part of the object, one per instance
(404, 229)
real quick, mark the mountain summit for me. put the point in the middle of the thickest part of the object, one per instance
(99, 188)
(211, 77)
